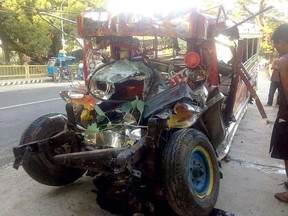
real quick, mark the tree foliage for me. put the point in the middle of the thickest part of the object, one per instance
(267, 21)
(25, 32)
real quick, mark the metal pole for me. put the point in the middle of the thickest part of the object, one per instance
(62, 39)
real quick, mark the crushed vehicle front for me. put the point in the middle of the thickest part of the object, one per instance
(149, 121)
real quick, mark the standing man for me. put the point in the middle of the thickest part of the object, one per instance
(279, 138)
(274, 83)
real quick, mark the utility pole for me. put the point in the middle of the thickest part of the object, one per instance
(1, 45)
(62, 39)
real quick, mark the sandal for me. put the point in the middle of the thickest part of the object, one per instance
(283, 197)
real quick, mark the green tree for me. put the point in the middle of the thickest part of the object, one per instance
(23, 31)
(267, 21)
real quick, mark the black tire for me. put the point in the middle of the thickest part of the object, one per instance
(190, 173)
(71, 77)
(57, 76)
(38, 166)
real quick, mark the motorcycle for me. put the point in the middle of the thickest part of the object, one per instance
(63, 72)
(60, 69)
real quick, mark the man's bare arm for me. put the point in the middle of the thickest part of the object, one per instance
(283, 66)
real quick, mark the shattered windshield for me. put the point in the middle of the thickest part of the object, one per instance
(122, 70)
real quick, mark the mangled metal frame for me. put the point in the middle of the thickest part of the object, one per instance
(119, 158)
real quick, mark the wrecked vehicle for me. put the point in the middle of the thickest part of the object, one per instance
(155, 119)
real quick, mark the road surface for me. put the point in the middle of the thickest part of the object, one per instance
(22, 104)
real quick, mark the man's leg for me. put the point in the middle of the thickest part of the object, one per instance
(286, 167)
(278, 98)
(272, 89)
(286, 170)
(283, 196)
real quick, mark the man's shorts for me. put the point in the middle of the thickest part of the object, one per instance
(279, 140)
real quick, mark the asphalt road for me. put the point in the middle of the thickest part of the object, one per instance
(250, 176)
(22, 104)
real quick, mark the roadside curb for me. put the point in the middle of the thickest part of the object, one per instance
(20, 82)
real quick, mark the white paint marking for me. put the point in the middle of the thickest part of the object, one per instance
(26, 104)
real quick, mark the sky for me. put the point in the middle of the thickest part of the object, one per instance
(160, 5)
(148, 5)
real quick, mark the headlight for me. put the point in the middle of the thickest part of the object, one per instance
(101, 90)
(184, 116)
(69, 96)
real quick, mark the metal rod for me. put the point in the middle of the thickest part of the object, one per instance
(94, 156)
(55, 16)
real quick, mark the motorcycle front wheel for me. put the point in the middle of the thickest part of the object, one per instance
(57, 77)
(38, 166)
(190, 173)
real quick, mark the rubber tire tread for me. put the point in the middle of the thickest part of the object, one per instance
(71, 77)
(179, 193)
(38, 166)
(57, 80)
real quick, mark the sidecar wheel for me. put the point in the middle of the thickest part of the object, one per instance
(57, 77)
(38, 166)
(190, 173)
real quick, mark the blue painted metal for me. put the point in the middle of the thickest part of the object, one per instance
(199, 174)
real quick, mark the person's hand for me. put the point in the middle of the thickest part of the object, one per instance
(268, 122)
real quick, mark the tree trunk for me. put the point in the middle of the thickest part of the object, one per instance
(6, 52)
